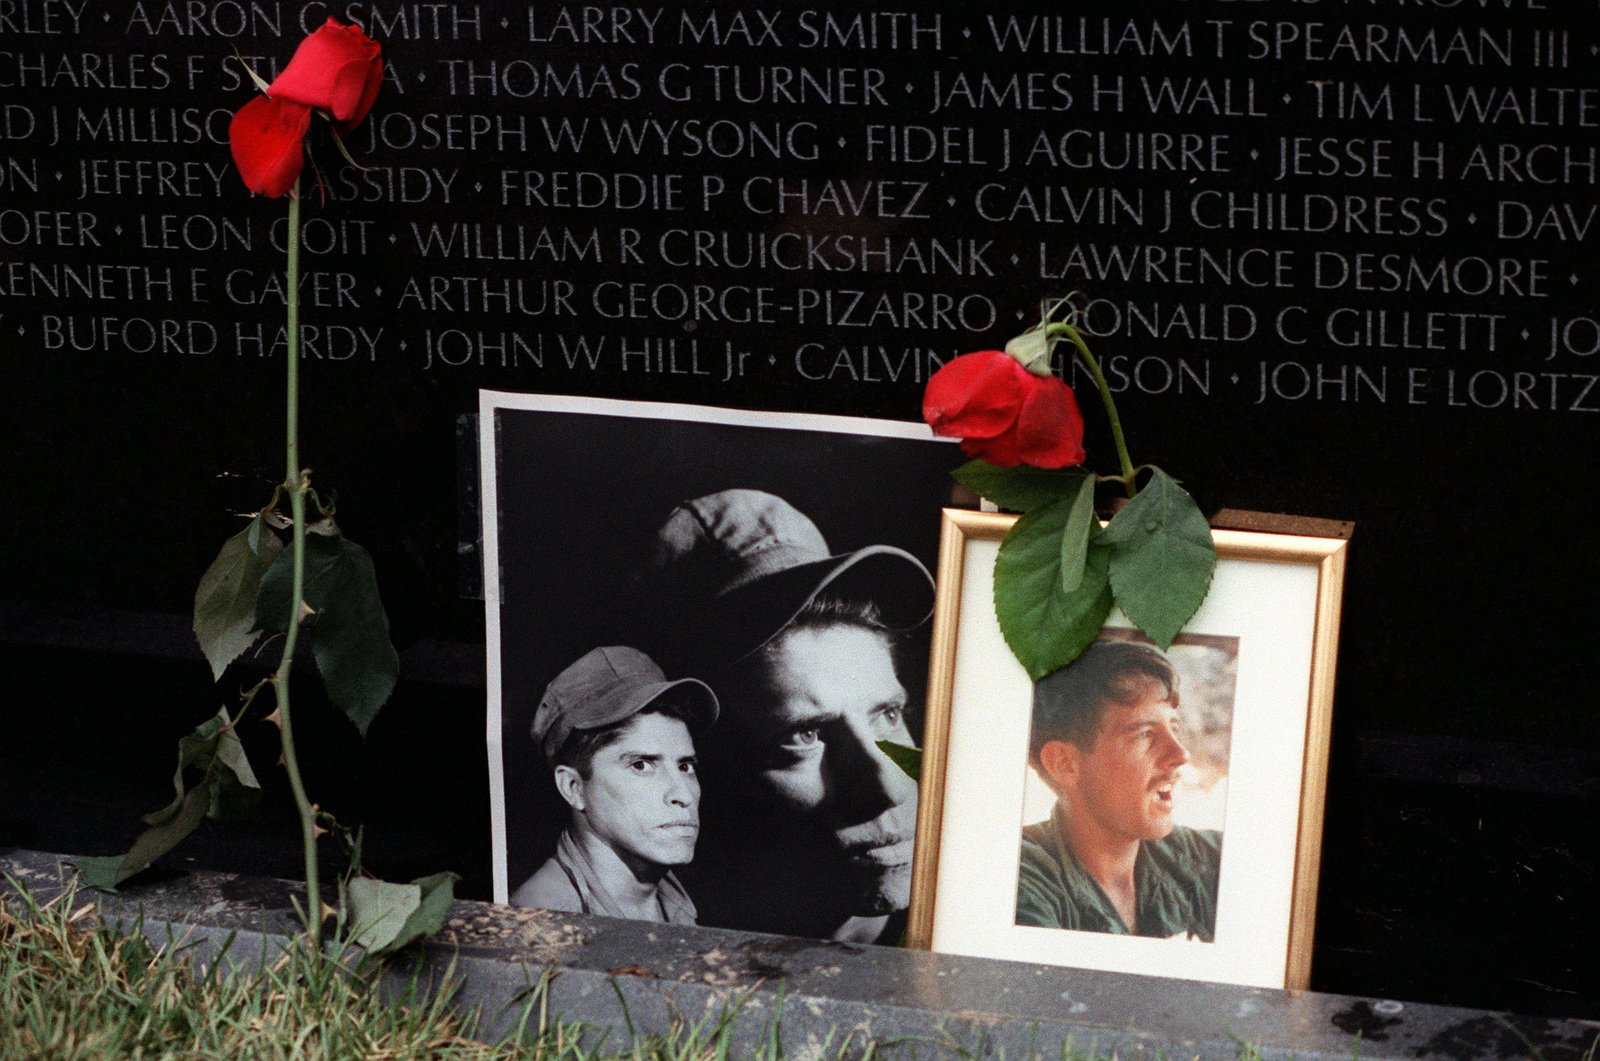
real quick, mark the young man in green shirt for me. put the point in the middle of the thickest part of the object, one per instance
(1106, 739)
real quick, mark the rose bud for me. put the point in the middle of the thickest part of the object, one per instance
(1004, 414)
(337, 70)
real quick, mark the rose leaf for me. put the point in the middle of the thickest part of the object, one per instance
(1080, 527)
(349, 630)
(378, 911)
(1162, 557)
(108, 872)
(904, 756)
(385, 917)
(1046, 626)
(213, 748)
(225, 602)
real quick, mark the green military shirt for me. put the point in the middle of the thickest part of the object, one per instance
(1175, 880)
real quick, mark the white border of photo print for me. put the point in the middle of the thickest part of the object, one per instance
(573, 489)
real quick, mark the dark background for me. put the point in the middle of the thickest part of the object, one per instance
(1460, 854)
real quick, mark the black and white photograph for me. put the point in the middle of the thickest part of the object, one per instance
(1143, 809)
(1126, 796)
(704, 628)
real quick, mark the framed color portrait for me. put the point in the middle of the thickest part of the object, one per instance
(635, 551)
(1142, 810)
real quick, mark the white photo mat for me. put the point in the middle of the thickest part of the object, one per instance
(1278, 594)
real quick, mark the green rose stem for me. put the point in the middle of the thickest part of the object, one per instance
(1128, 471)
(298, 484)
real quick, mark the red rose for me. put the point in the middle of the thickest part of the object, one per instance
(337, 70)
(1003, 413)
(266, 137)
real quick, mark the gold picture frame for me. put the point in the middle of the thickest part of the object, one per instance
(1270, 628)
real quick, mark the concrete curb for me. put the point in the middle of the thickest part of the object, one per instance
(612, 975)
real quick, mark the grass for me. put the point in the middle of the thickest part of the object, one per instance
(75, 989)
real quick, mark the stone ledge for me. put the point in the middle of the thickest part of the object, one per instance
(612, 974)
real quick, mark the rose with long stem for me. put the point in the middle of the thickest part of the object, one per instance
(321, 591)
(336, 72)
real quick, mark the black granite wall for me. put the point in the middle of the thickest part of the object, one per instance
(1339, 256)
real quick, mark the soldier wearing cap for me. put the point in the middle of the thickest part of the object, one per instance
(808, 825)
(1107, 739)
(616, 733)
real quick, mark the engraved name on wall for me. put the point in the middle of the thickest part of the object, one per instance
(1382, 203)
